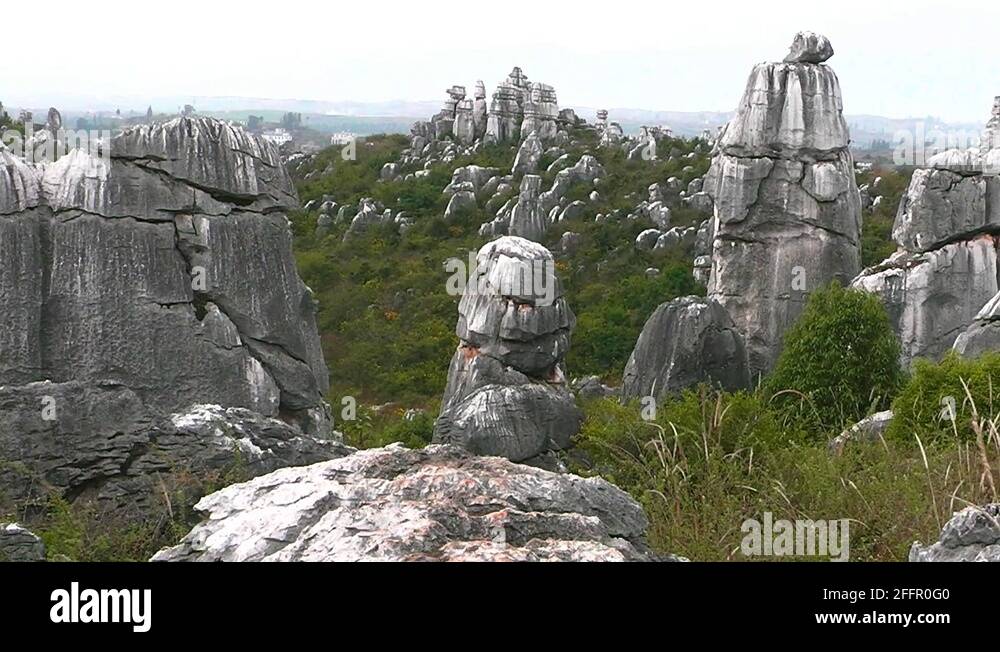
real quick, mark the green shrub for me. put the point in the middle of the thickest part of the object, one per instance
(942, 400)
(840, 360)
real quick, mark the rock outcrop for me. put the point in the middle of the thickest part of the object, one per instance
(940, 284)
(138, 284)
(972, 534)
(686, 342)
(436, 504)
(19, 545)
(983, 334)
(506, 393)
(931, 297)
(868, 430)
(787, 209)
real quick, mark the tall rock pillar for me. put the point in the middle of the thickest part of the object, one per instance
(787, 208)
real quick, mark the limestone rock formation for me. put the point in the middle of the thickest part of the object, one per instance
(939, 286)
(528, 155)
(439, 503)
(991, 134)
(19, 545)
(983, 334)
(541, 112)
(809, 47)
(941, 206)
(529, 219)
(137, 285)
(870, 429)
(972, 534)
(506, 393)
(787, 208)
(685, 342)
(931, 297)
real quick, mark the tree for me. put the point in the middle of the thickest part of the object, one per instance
(840, 360)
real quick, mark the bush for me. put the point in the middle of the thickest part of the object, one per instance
(943, 400)
(840, 360)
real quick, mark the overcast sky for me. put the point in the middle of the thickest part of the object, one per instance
(894, 58)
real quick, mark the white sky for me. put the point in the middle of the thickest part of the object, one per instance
(895, 58)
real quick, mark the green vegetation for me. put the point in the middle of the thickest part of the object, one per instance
(876, 231)
(840, 360)
(386, 319)
(948, 401)
(712, 460)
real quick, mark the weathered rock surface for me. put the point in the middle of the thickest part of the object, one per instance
(983, 334)
(506, 393)
(528, 155)
(529, 219)
(809, 47)
(436, 504)
(869, 429)
(972, 534)
(931, 297)
(939, 286)
(136, 286)
(686, 342)
(18, 544)
(941, 206)
(787, 208)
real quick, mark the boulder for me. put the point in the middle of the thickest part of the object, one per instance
(983, 334)
(809, 47)
(19, 545)
(439, 503)
(462, 201)
(869, 429)
(972, 534)
(506, 392)
(686, 342)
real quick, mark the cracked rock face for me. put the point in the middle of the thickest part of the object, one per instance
(686, 342)
(506, 393)
(787, 208)
(940, 287)
(972, 534)
(439, 503)
(135, 287)
(931, 297)
(983, 334)
(19, 545)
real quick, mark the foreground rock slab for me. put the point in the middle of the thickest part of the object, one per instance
(439, 503)
(972, 534)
